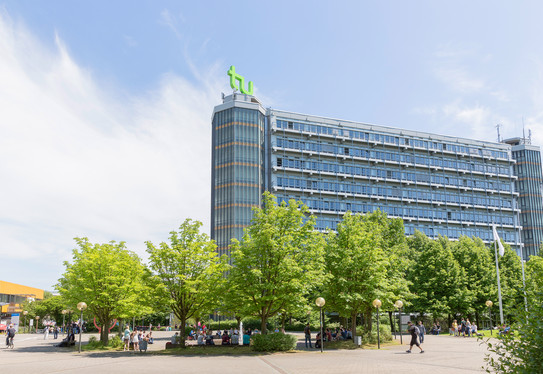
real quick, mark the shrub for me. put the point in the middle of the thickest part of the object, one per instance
(522, 351)
(273, 342)
(384, 334)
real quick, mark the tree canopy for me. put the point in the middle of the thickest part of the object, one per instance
(278, 261)
(108, 278)
(189, 272)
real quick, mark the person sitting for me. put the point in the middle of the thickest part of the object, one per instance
(343, 334)
(318, 340)
(209, 340)
(235, 338)
(349, 334)
(225, 338)
(505, 330)
(328, 335)
(175, 339)
(246, 338)
(200, 339)
(438, 328)
(150, 337)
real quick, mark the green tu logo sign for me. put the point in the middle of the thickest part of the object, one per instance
(236, 77)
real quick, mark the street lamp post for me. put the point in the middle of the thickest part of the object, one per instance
(377, 304)
(25, 312)
(320, 303)
(399, 304)
(37, 320)
(489, 305)
(81, 306)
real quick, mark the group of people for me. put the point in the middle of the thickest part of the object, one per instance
(328, 335)
(138, 338)
(465, 328)
(50, 330)
(227, 337)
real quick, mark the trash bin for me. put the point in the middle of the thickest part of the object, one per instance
(143, 346)
(359, 341)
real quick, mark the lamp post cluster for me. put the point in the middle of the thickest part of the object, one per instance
(81, 306)
(377, 304)
(399, 304)
(320, 303)
(489, 305)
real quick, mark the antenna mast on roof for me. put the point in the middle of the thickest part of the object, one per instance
(529, 136)
(498, 129)
(523, 134)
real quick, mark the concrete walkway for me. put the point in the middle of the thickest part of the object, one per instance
(443, 354)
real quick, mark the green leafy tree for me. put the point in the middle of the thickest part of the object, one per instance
(278, 261)
(437, 280)
(363, 263)
(522, 351)
(534, 279)
(479, 269)
(189, 271)
(510, 280)
(108, 278)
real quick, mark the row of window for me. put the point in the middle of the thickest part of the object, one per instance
(440, 162)
(332, 167)
(389, 139)
(432, 232)
(403, 211)
(414, 194)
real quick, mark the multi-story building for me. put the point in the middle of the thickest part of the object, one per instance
(12, 295)
(530, 201)
(439, 185)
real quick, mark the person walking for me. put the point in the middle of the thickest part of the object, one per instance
(307, 332)
(45, 332)
(55, 332)
(413, 330)
(422, 331)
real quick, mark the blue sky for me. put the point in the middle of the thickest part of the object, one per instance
(106, 106)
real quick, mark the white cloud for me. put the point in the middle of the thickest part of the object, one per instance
(459, 80)
(78, 160)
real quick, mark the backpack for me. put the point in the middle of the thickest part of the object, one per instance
(417, 331)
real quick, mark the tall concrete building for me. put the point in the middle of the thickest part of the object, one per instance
(439, 185)
(529, 185)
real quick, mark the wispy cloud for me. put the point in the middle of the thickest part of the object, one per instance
(171, 21)
(82, 161)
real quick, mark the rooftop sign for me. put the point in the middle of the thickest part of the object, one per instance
(236, 77)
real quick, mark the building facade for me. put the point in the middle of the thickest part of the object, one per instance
(12, 295)
(437, 184)
(529, 185)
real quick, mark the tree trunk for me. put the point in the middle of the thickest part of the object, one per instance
(353, 327)
(104, 335)
(392, 325)
(368, 321)
(183, 321)
(263, 328)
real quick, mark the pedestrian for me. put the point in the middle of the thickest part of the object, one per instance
(55, 332)
(307, 333)
(45, 332)
(126, 338)
(135, 340)
(454, 328)
(422, 331)
(413, 330)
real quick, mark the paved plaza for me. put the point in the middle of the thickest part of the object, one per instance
(443, 354)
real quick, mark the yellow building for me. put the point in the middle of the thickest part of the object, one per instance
(15, 294)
